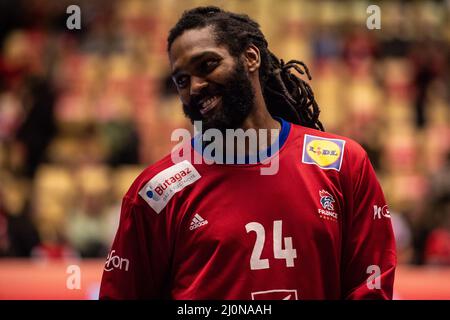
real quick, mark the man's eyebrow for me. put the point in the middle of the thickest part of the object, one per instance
(195, 58)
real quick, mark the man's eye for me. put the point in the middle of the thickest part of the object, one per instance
(209, 65)
(181, 82)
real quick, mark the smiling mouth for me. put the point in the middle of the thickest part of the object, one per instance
(208, 104)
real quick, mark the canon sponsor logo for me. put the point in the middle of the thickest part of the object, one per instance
(114, 261)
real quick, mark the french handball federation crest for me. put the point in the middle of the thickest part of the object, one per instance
(326, 200)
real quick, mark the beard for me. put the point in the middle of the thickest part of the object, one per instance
(237, 102)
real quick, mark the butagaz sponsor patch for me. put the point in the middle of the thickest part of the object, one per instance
(323, 152)
(162, 187)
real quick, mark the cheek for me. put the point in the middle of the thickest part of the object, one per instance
(227, 73)
(184, 96)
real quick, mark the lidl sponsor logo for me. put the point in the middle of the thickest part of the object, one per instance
(323, 152)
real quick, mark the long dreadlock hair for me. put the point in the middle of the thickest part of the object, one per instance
(286, 95)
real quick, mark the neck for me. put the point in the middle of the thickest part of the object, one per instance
(258, 119)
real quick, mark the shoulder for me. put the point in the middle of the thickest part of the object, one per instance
(157, 183)
(147, 174)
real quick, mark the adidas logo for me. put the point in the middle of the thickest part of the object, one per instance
(197, 222)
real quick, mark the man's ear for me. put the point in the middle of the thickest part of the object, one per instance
(252, 58)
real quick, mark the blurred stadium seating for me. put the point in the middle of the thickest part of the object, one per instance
(82, 112)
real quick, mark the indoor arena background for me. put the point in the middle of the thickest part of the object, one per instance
(82, 112)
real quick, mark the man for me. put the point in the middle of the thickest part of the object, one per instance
(319, 228)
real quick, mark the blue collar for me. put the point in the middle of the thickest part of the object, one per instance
(284, 132)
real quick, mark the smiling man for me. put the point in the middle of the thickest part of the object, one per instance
(224, 231)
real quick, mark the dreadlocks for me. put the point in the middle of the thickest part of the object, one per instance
(286, 95)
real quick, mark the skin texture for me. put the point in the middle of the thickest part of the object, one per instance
(201, 67)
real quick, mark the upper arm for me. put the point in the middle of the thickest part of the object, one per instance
(138, 263)
(369, 243)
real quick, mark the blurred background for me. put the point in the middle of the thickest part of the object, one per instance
(82, 112)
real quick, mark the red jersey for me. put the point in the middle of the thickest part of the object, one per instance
(317, 229)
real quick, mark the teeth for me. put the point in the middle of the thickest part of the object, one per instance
(208, 102)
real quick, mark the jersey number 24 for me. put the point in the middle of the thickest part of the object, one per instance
(288, 253)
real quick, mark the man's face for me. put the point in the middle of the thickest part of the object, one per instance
(213, 85)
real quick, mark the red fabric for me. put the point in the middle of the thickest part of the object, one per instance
(159, 256)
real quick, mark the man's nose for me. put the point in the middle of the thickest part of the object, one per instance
(197, 85)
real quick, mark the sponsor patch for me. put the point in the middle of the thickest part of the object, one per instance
(162, 187)
(323, 152)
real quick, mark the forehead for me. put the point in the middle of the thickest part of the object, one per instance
(192, 43)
